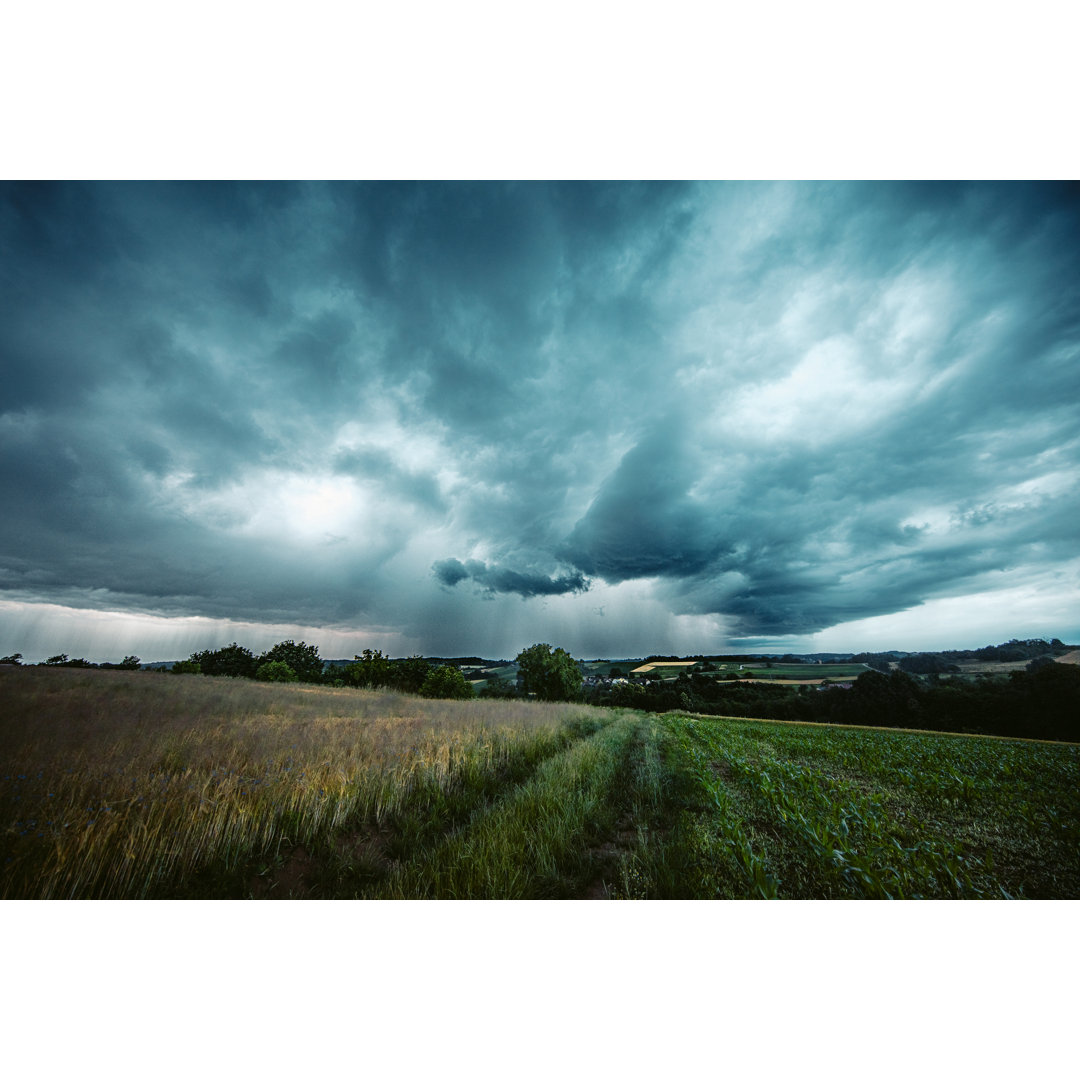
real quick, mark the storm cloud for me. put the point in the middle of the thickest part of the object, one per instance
(466, 417)
(501, 579)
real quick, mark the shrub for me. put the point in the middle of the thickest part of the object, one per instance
(276, 671)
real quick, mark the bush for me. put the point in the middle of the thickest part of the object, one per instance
(276, 671)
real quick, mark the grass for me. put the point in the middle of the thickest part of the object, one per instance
(136, 785)
(537, 841)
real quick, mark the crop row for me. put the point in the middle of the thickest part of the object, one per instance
(837, 812)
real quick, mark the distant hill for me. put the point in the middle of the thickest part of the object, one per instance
(435, 661)
(1012, 651)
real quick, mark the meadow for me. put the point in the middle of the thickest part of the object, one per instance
(138, 785)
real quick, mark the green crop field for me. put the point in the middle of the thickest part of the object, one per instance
(793, 671)
(137, 785)
(789, 810)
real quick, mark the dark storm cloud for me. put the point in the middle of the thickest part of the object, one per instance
(501, 579)
(788, 406)
(791, 540)
(643, 522)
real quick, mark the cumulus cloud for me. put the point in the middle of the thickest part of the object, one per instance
(765, 410)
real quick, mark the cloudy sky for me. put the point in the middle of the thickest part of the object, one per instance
(621, 418)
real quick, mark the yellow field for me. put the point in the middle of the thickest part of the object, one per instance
(663, 663)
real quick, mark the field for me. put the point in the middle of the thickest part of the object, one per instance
(137, 785)
(990, 667)
(754, 671)
(606, 667)
(808, 811)
(812, 673)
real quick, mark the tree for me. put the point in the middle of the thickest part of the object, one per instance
(628, 696)
(14, 658)
(276, 671)
(409, 675)
(131, 663)
(61, 660)
(925, 664)
(304, 660)
(446, 682)
(233, 660)
(186, 667)
(371, 669)
(552, 675)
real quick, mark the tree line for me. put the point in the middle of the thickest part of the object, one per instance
(291, 661)
(543, 672)
(129, 663)
(1040, 702)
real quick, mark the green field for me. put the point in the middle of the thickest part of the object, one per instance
(806, 811)
(605, 667)
(835, 672)
(137, 785)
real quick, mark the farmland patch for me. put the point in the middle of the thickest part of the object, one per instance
(129, 785)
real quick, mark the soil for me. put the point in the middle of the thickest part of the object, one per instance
(290, 880)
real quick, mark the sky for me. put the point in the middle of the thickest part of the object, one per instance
(456, 419)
